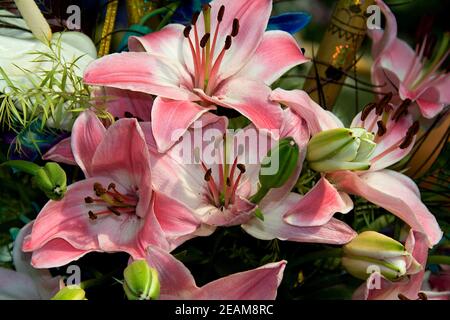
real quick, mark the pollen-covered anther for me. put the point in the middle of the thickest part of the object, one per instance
(241, 167)
(381, 128)
(228, 42)
(401, 110)
(99, 189)
(221, 13)
(208, 174)
(92, 215)
(205, 40)
(367, 110)
(88, 200)
(235, 28)
(187, 31)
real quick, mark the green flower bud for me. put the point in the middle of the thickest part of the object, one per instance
(340, 149)
(141, 282)
(277, 167)
(372, 251)
(70, 293)
(52, 180)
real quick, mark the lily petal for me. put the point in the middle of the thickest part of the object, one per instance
(318, 206)
(87, 133)
(171, 119)
(273, 226)
(299, 101)
(396, 193)
(61, 152)
(251, 99)
(143, 72)
(277, 53)
(120, 102)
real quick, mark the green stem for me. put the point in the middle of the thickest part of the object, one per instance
(98, 281)
(257, 197)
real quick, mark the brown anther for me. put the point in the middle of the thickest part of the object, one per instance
(88, 200)
(385, 100)
(187, 31)
(114, 210)
(228, 42)
(422, 296)
(208, 174)
(414, 129)
(381, 128)
(99, 190)
(241, 167)
(367, 110)
(204, 40)
(401, 296)
(220, 14)
(228, 182)
(195, 17)
(111, 186)
(92, 215)
(406, 142)
(401, 110)
(128, 114)
(235, 29)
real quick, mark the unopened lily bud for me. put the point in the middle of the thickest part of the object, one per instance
(277, 167)
(374, 252)
(141, 282)
(52, 180)
(340, 149)
(70, 293)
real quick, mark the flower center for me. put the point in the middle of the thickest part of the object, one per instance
(203, 49)
(114, 202)
(382, 118)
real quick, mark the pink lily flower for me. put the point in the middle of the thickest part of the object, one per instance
(409, 74)
(120, 104)
(225, 58)
(177, 283)
(114, 209)
(394, 137)
(26, 283)
(220, 195)
(408, 288)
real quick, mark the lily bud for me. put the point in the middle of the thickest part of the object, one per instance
(70, 293)
(277, 167)
(372, 251)
(52, 180)
(141, 282)
(340, 149)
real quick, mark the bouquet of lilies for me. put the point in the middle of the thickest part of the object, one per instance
(186, 167)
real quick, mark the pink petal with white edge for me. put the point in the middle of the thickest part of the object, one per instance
(273, 226)
(177, 281)
(277, 53)
(253, 17)
(87, 133)
(171, 119)
(257, 284)
(143, 72)
(299, 101)
(56, 253)
(394, 192)
(318, 206)
(433, 100)
(176, 220)
(61, 152)
(251, 99)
